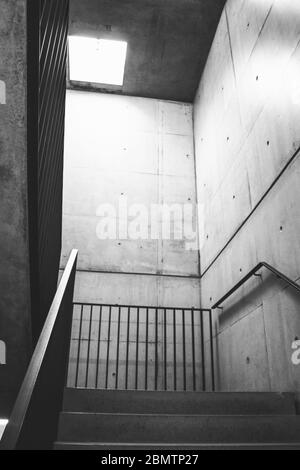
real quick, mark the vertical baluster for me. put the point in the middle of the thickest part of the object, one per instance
(79, 346)
(212, 351)
(118, 348)
(98, 349)
(202, 353)
(108, 347)
(174, 345)
(146, 352)
(127, 348)
(183, 349)
(89, 348)
(165, 350)
(193, 348)
(137, 348)
(156, 348)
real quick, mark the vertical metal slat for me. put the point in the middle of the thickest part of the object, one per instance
(118, 348)
(127, 348)
(193, 348)
(146, 352)
(202, 353)
(98, 348)
(79, 347)
(165, 350)
(89, 348)
(183, 349)
(212, 352)
(156, 349)
(137, 348)
(174, 345)
(108, 348)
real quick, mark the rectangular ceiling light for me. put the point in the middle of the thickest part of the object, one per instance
(97, 60)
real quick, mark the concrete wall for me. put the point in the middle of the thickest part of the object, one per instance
(142, 150)
(14, 265)
(139, 149)
(247, 137)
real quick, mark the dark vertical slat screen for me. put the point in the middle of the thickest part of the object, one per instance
(48, 28)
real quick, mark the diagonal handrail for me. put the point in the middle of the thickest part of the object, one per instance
(33, 421)
(260, 265)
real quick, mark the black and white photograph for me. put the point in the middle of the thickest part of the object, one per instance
(149, 228)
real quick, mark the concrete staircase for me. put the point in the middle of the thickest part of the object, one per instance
(109, 420)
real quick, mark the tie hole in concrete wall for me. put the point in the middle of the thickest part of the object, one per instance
(2, 353)
(2, 92)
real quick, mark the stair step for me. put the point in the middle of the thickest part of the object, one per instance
(148, 402)
(180, 446)
(103, 427)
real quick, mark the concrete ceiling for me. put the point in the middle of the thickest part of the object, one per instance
(168, 40)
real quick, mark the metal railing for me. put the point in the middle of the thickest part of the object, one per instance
(34, 419)
(253, 272)
(141, 348)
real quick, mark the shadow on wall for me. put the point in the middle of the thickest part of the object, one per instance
(245, 356)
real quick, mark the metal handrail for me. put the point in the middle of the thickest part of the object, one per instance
(33, 421)
(170, 328)
(145, 307)
(253, 272)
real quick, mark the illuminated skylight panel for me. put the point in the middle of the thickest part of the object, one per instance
(3, 424)
(97, 60)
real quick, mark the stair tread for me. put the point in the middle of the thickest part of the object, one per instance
(180, 445)
(117, 427)
(140, 401)
(179, 415)
(137, 419)
(118, 391)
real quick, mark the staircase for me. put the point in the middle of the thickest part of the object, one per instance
(112, 418)
(116, 419)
